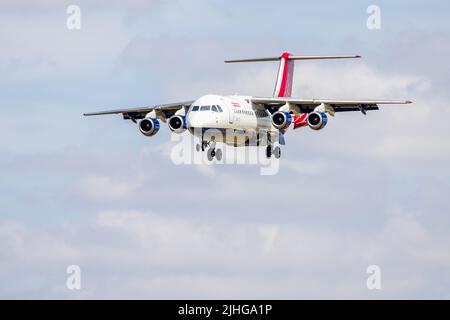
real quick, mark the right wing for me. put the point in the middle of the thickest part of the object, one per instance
(307, 106)
(167, 110)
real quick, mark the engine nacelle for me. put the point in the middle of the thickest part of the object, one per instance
(177, 123)
(281, 120)
(317, 120)
(149, 126)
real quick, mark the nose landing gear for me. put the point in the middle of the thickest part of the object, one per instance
(275, 151)
(212, 151)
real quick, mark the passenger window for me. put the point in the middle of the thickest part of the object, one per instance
(194, 108)
(220, 109)
(205, 108)
(214, 109)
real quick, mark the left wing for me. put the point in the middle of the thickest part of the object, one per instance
(331, 106)
(163, 110)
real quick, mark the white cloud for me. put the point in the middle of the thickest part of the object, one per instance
(103, 188)
(132, 254)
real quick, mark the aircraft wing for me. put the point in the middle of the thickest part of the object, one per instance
(331, 106)
(139, 113)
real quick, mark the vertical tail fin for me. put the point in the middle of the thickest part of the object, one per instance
(283, 85)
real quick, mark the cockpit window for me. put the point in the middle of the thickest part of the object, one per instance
(194, 108)
(205, 108)
(220, 109)
(214, 108)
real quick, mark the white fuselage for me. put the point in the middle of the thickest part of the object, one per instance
(228, 114)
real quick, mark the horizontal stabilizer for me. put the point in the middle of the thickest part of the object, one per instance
(254, 60)
(291, 57)
(322, 57)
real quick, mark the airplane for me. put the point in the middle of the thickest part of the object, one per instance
(247, 120)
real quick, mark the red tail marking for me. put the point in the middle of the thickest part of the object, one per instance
(283, 86)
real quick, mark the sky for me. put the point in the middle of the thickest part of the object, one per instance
(95, 193)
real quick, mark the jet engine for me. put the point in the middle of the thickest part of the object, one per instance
(281, 120)
(177, 123)
(149, 126)
(317, 120)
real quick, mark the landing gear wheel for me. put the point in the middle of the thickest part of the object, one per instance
(277, 152)
(211, 154)
(269, 151)
(198, 147)
(219, 154)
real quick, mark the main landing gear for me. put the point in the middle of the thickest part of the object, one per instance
(271, 150)
(275, 151)
(212, 151)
